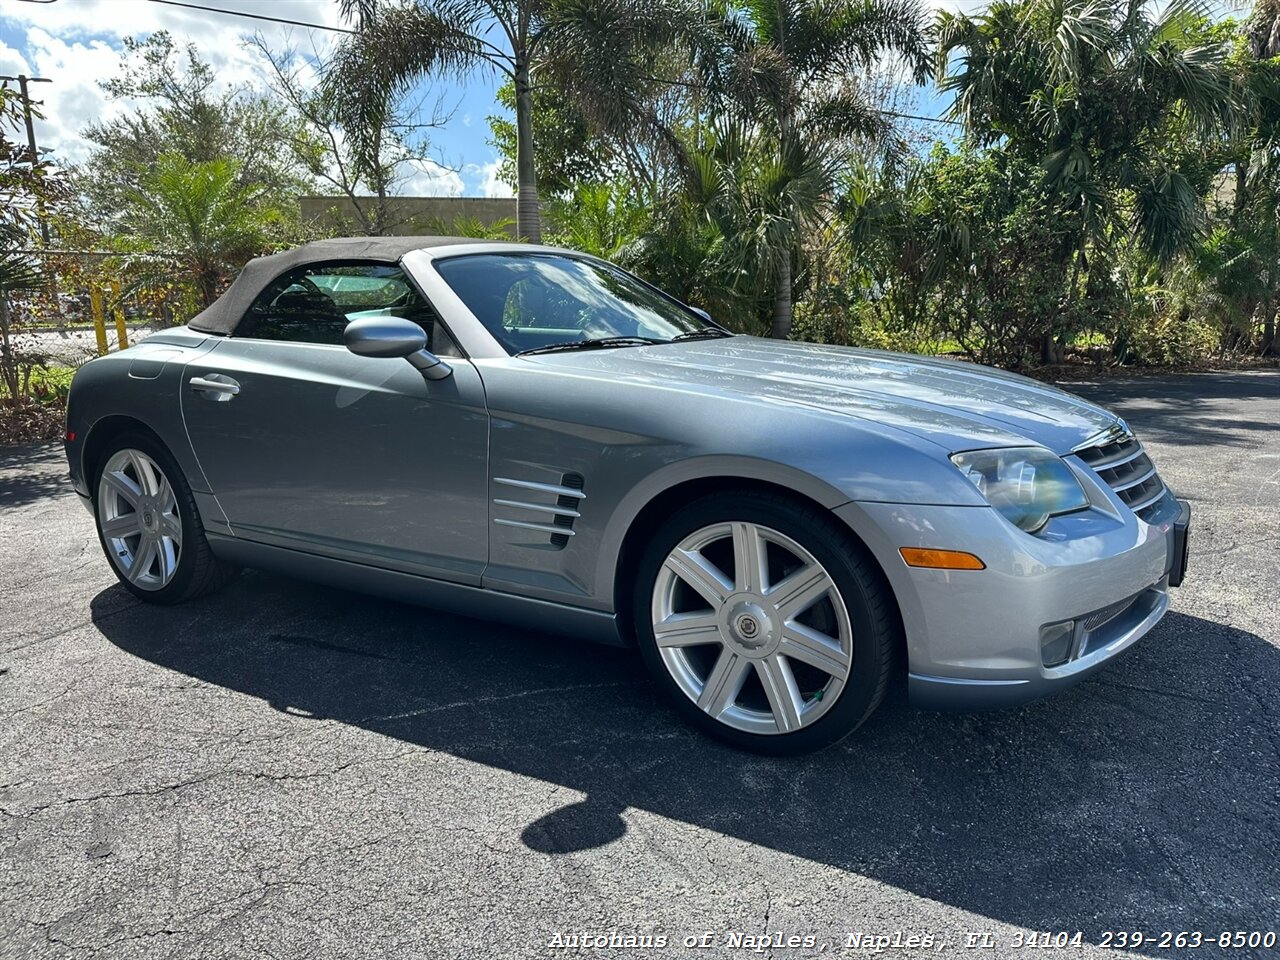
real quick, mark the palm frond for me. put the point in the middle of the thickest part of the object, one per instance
(1167, 214)
(848, 114)
(393, 49)
(18, 273)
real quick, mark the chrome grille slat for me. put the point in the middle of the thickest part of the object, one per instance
(1112, 462)
(1142, 505)
(1134, 483)
(1120, 461)
(1135, 468)
(1116, 461)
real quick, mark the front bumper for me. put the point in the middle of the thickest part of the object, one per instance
(974, 636)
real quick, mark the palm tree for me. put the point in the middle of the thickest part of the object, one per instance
(1100, 94)
(200, 215)
(1264, 30)
(595, 52)
(760, 194)
(796, 70)
(1256, 217)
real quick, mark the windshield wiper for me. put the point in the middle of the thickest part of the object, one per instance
(706, 333)
(596, 343)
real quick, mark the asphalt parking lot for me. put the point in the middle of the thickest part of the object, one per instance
(288, 771)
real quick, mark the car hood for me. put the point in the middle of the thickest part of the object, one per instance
(957, 405)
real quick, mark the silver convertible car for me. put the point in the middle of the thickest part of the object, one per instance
(533, 435)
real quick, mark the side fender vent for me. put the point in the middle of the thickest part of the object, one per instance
(528, 509)
(574, 481)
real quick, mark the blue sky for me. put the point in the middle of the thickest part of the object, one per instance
(76, 44)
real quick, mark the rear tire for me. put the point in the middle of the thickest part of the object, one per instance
(149, 525)
(775, 630)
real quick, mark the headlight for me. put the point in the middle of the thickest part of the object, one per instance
(1028, 485)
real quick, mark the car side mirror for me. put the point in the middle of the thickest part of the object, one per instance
(394, 337)
(703, 314)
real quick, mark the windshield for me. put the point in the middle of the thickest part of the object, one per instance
(530, 301)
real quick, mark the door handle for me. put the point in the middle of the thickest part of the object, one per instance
(215, 386)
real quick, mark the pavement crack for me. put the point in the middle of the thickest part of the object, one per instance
(1161, 693)
(498, 698)
(27, 708)
(768, 912)
(167, 788)
(124, 794)
(98, 948)
(97, 618)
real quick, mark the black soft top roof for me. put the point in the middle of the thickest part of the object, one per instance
(223, 314)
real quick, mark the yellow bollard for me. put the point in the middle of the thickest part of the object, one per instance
(99, 319)
(117, 311)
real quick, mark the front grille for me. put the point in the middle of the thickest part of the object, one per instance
(1124, 466)
(1103, 627)
(1094, 620)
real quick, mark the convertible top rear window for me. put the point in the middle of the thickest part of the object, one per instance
(532, 300)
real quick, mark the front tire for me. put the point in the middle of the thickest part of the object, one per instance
(149, 526)
(766, 622)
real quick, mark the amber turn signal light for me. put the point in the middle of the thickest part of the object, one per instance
(940, 559)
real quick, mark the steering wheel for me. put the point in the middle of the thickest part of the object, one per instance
(306, 283)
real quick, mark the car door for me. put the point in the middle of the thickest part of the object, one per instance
(308, 446)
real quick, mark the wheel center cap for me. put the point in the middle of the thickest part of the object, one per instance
(749, 626)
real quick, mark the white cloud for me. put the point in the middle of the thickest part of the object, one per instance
(485, 178)
(429, 179)
(12, 62)
(77, 45)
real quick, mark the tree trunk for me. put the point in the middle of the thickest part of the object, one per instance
(528, 214)
(379, 222)
(7, 364)
(1241, 192)
(1052, 350)
(207, 281)
(1270, 346)
(782, 298)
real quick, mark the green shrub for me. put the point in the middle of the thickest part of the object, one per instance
(1171, 341)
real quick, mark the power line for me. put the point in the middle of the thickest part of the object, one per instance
(349, 32)
(236, 13)
(255, 16)
(912, 116)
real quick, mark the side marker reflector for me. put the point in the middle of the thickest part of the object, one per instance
(940, 559)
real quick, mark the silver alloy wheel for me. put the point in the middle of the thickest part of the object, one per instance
(139, 519)
(778, 616)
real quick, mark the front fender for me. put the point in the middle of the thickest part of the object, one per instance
(897, 475)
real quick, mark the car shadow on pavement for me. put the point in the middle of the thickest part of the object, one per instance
(1145, 798)
(25, 477)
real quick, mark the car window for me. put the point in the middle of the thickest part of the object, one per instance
(314, 304)
(531, 300)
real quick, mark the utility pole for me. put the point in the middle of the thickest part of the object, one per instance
(23, 80)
